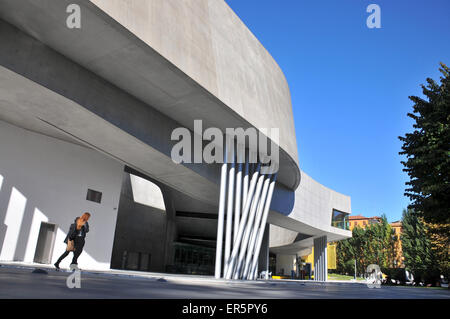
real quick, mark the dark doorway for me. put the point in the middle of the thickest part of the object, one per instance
(193, 259)
(44, 246)
(273, 263)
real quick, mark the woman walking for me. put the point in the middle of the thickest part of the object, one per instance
(75, 239)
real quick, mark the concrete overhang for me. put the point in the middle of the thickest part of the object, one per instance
(308, 213)
(112, 51)
(34, 107)
(285, 239)
(104, 87)
(296, 225)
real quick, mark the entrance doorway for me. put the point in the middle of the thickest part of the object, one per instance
(44, 246)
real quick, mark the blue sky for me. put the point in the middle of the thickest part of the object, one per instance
(350, 85)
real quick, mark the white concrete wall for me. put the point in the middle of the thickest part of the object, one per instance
(46, 179)
(310, 215)
(285, 263)
(147, 193)
(279, 236)
(314, 204)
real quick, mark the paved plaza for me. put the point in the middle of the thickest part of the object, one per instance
(22, 282)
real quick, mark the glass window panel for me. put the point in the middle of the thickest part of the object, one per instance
(340, 220)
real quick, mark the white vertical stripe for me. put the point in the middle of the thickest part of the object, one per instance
(13, 220)
(245, 183)
(238, 196)
(244, 244)
(219, 240)
(229, 225)
(238, 241)
(38, 218)
(263, 224)
(255, 227)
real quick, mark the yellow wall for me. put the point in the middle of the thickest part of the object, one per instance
(331, 257)
(359, 222)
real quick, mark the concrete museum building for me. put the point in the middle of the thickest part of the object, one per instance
(87, 114)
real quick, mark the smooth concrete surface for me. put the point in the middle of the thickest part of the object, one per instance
(281, 236)
(146, 193)
(46, 180)
(24, 101)
(120, 84)
(311, 217)
(139, 229)
(227, 78)
(72, 101)
(320, 259)
(209, 42)
(315, 202)
(285, 264)
(20, 283)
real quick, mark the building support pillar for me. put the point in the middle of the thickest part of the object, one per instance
(263, 259)
(220, 221)
(243, 222)
(253, 229)
(245, 199)
(229, 222)
(320, 259)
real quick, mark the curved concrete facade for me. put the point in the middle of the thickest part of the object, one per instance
(134, 72)
(226, 59)
(208, 42)
(310, 216)
(188, 60)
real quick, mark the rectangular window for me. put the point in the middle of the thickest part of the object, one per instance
(94, 196)
(340, 219)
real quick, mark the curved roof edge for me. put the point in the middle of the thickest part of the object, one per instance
(192, 60)
(309, 212)
(208, 42)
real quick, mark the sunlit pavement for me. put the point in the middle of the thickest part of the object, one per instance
(23, 283)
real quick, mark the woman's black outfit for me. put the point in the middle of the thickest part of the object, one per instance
(77, 235)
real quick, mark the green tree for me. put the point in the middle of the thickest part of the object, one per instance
(371, 245)
(417, 248)
(345, 256)
(427, 151)
(439, 236)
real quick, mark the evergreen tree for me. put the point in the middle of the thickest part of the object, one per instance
(417, 250)
(345, 256)
(427, 150)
